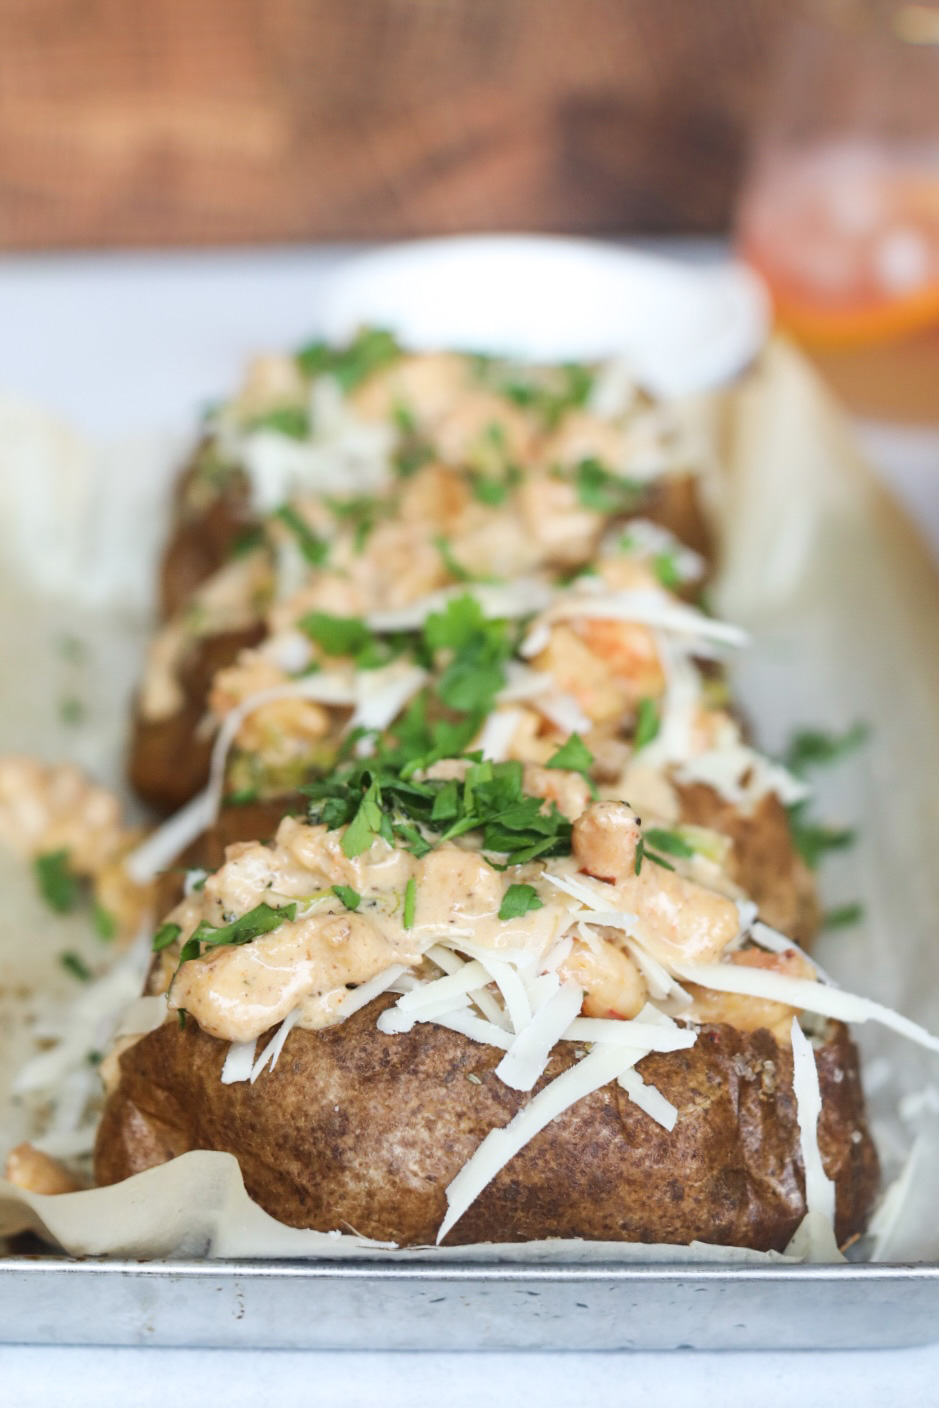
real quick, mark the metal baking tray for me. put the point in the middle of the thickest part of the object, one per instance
(381, 1304)
(290, 1305)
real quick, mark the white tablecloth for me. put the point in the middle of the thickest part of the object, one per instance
(120, 344)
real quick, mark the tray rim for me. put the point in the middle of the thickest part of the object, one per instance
(35, 1263)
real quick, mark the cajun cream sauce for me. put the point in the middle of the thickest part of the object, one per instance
(237, 992)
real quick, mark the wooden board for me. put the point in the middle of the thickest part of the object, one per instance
(201, 121)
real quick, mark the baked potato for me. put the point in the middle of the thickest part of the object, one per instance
(365, 1119)
(358, 1131)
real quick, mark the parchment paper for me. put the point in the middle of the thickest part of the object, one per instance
(843, 602)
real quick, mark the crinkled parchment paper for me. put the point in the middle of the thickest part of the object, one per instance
(843, 602)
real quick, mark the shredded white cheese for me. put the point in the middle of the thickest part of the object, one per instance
(804, 995)
(597, 1069)
(819, 1188)
(525, 1061)
(239, 1062)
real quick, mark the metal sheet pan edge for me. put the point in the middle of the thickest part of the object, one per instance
(297, 1305)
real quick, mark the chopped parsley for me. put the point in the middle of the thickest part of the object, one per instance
(602, 491)
(246, 541)
(57, 884)
(546, 392)
(457, 571)
(165, 936)
(360, 513)
(573, 756)
(643, 853)
(74, 963)
(260, 920)
(812, 748)
(519, 900)
(71, 710)
(494, 489)
(104, 921)
(314, 549)
(369, 351)
(648, 723)
(843, 917)
(669, 841)
(337, 635)
(665, 567)
(376, 799)
(292, 421)
(350, 898)
(813, 840)
(410, 902)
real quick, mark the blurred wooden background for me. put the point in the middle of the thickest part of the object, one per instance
(150, 122)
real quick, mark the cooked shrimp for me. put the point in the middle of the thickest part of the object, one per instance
(612, 983)
(748, 1014)
(605, 838)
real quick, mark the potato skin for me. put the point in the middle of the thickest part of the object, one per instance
(354, 1129)
(675, 502)
(168, 759)
(208, 520)
(765, 863)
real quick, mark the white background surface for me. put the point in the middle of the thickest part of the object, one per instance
(120, 344)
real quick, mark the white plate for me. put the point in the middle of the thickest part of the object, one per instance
(684, 328)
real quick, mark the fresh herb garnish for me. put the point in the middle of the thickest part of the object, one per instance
(410, 901)
(494, 489)
(314, 549)
(457, 571)
(843, 917)
(602, 491)
(350, 898)
(813, 840)
(260, 920)
(337, 635)
(74, 963)
(812, 748)
(669, 841)
(292, 421)
(71, 710)
(368, 352)
(166, 935)
(647, 723)
(643, 853)
(375, 800)
(57, 884)
(573, 756)
(519, 900)
(104, 921)
(248, 540)
(665, 567)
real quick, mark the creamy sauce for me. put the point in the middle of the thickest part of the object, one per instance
(237, 992)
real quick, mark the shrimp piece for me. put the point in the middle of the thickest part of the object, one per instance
(605, 838)
(612, 983)
(481, 425)
(435, 497)
(568, 790)
(748, 1014)
(426, 386)
(578, 671)
(36, 1172)
(279, 731)
(565, 532)
(631, 653)
(583, 436)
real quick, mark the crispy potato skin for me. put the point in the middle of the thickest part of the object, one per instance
(765, 865)
(207, 522)
(354, 1129)
(675, 502)
(168, 759)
